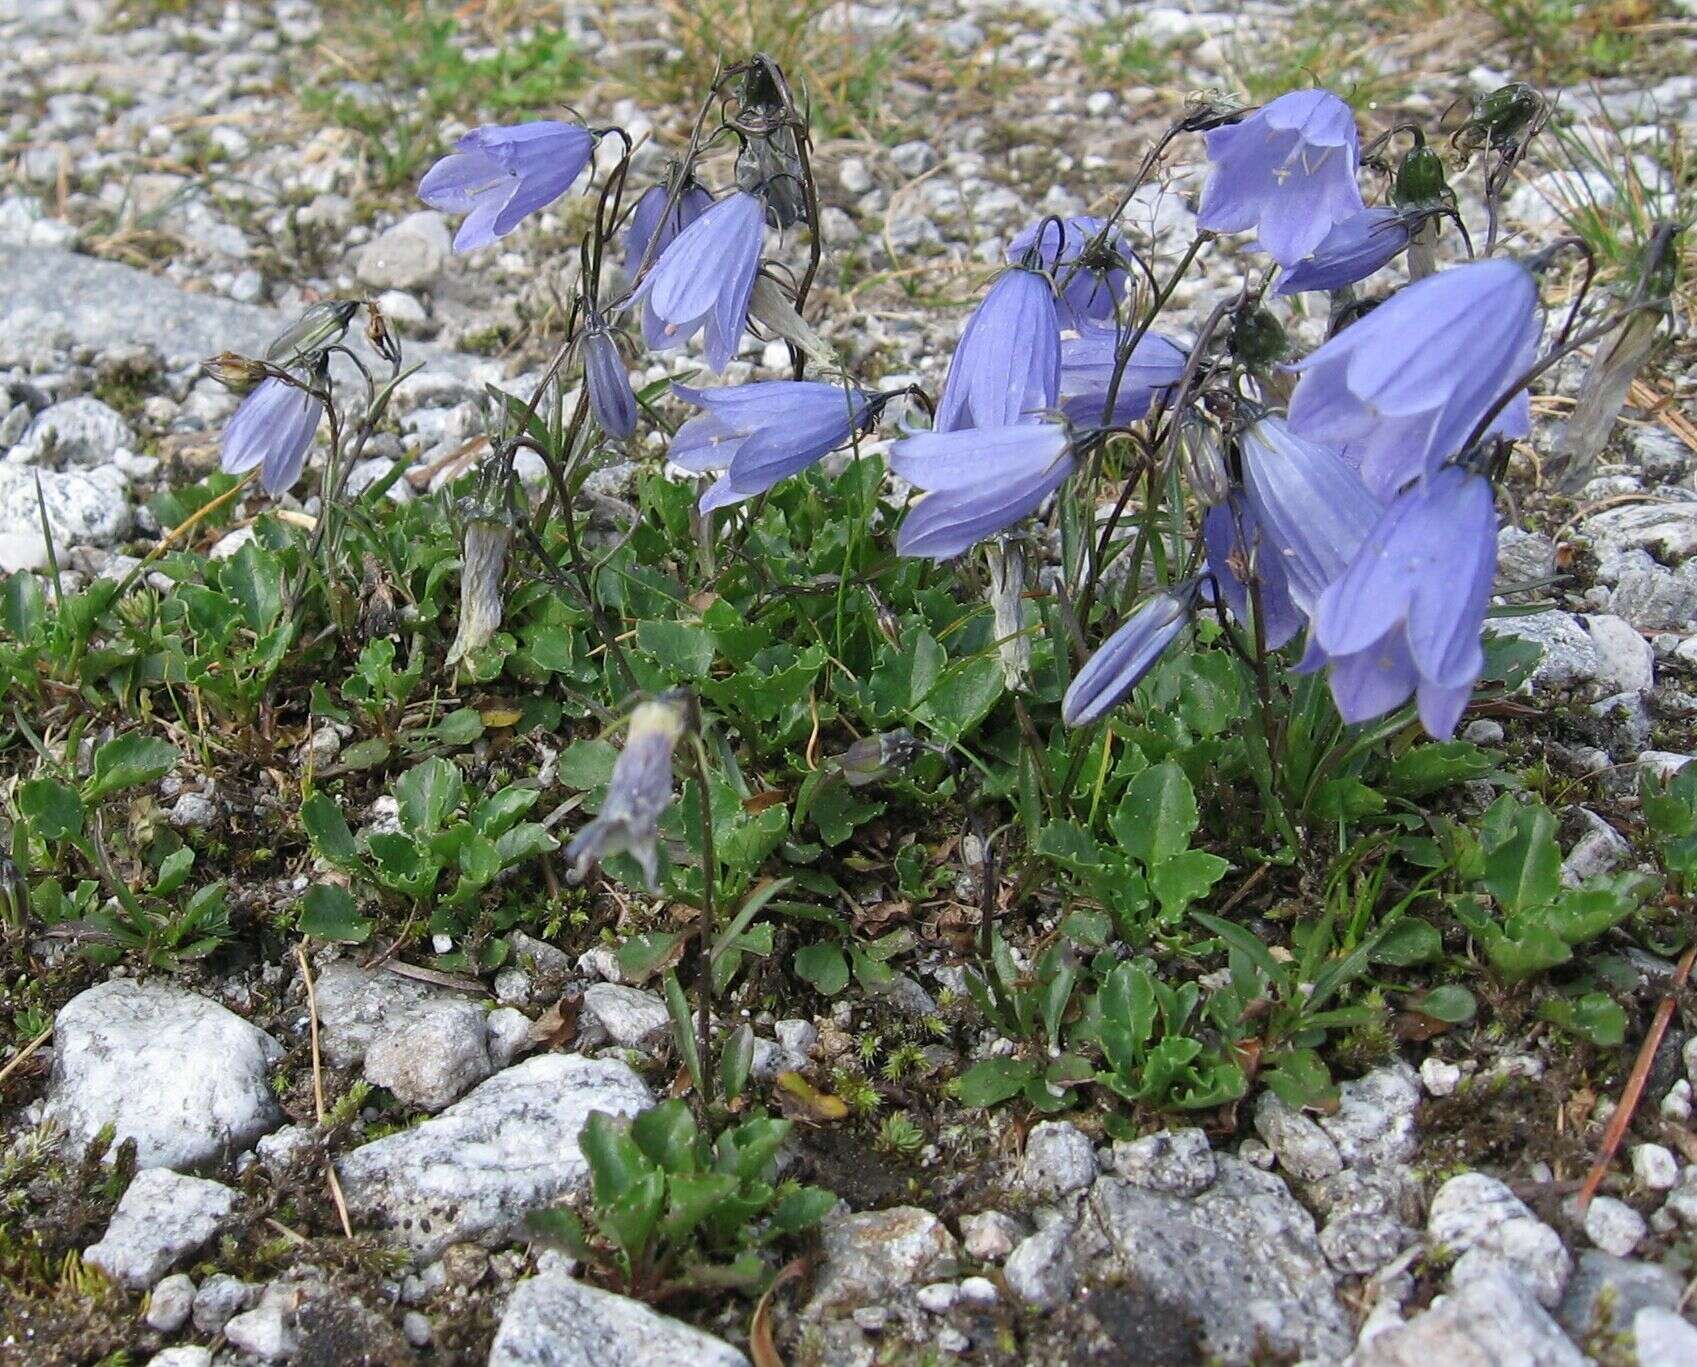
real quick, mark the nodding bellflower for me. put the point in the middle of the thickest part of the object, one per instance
(502, 173)
(704, 279)
(1310, 506)
(1087, 369)
(763, 432)
(637, 793)
(1287, 171)
(651, 224)
(1399, 391)
(1239, 547)
(1007, 366)
(272, 429)
(1090, 289)
(1405, 617)
(611, 398)
(1122, 660)
(980, 482)
(1351, 251)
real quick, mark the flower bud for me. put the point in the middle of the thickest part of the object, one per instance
(1420, 179)
(235, 372)
(320, 327)
(1121, 661)
(483, 567)
(638, 792)
(1007, 604)
(1501, 116)
(1257, 340)
(1202, 458)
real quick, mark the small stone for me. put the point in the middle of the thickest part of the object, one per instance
(1359, 1245)
(283, 1147)
(628, 1017)
(951, 1340)
(1605, 1292)
(1300, 1145)
(938, 1298)
(1486, 1320)
(219, 1297)
(1676, 1105)
(509, 1035)
(1625, 661)
(169, 1306)
(1043, 1271)
(1688, 1056)
(407, 256)
(417, 1329)
(89, 507)
(979, 1291)
(1477, 1216)
(267, 1331)
(1257, 1154)
(1613, 1226)
(1059, 1160)
(79, 431)
(913, 158)
(1569, 655)
(356, 1004)
(799, 1037)
(1176, 1161)
(871, 1256)
(1654, 1167)
(1663, 1338)
(1374, 1121)
(990, 1235)
(1483, 732)
(432, 1055)
(1438, 1077)
(184, 1355)
(871, 1318)
(554, 1321)
(193, 812)
(854, 176)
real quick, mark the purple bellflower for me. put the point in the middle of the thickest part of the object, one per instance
(980, 482)
(272, 429)
(1405, 617)
(1237, 547)
(1121, 661)
(1087, 369)
(502, 173)
(763, 432)
(611, 398)
(650, 223)
(1007, 366)
(1399, 391)
(704, 279)
(1287, 171)
(1089, 292)
(637, 793)
(1354, 248)
(1310, 506)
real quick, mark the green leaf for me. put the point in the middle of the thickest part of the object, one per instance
(1450, 1003)
(642, 956)
(1525, 870)
(560, 1227)
(1594, 1017)
(963, 695)
(428, 794)
(253, 577)
(22, 605)
(630, 1217)
(685, 652)
(1180, 880)
(479, 860)
(1157, 814)
(801, 1209)
(692, 1198)
(736, 1061)
(1408, 942)
(993, 1080)
(1347, 799)
(616, 1162)
(173, 872)
(1427, 768)
(824, 966)
(587, 764)
(328, 912)
(128, 761)
(54, 810)
(365, 754)
(667, 1134)
(328, 830)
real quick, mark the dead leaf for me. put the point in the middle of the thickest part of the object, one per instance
(801, 1099)
(760, 1344)
(500, 716)
(772, 797)
(556, 1027)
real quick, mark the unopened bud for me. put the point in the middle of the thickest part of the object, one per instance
(235, 372)
(1420, 179)
(1257, 340)
(320, 327)
(1202, 458)
(483, 567)
(1503, 116)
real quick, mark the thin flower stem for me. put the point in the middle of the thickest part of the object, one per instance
(709, 876)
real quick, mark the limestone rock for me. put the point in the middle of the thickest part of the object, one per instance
(870, 1256)
(162, 1218)
(555, 1321)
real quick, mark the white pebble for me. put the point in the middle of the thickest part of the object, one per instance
(1440, 1078)
(1654, 1166)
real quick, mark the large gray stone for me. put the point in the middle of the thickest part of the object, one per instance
(1475, 1215)
(1301, 1146)
(628, 1017)
(177, 1073)
(356, 1005)
(1669, 530)
(1663, 1338)
(1059, 1160)
(162, 1218)
(1570, 656)
(84, 507)
(555, 1321)
(1242, 1258)
(1490, 1321)
(1373, 1125)
(408, 255)
(476, 1170)
(871, 1256)
(79, 431)
(431, 1055)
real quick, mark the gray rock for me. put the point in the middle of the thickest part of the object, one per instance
(356, 1004)
(84, 507)
(1439, 1077)
(1175, 1161)
(1360, 1245)
(267, 1332)
(473, 1172)
(79, 431)
(1373, 1125)
(554, 1321)
(1489, 1321)
(1059, 1160)
(185, 1355)
(1043, 1272)
(538, 955)
(913, 158)
(1605, 1292)
(431, 1055)
(1477, 1216)
(509, 1035)
(182, 1076)
(1570, 657)
(628, 1017)
(162, 1218)
(1614, 1226)
(990, 1235)
(799, 1037)
(1655, 598)
(1669, 530)
(280, 1148)
(1654, 1167)
(407, 256)
(1663, 763)
(871, 1256)
(1523, 557)
(1301, 1146)
(1600, 849)
(1625, 661)
(221, 1296)
(1663, 1338)
(1242, 1258)
(169, 1305)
